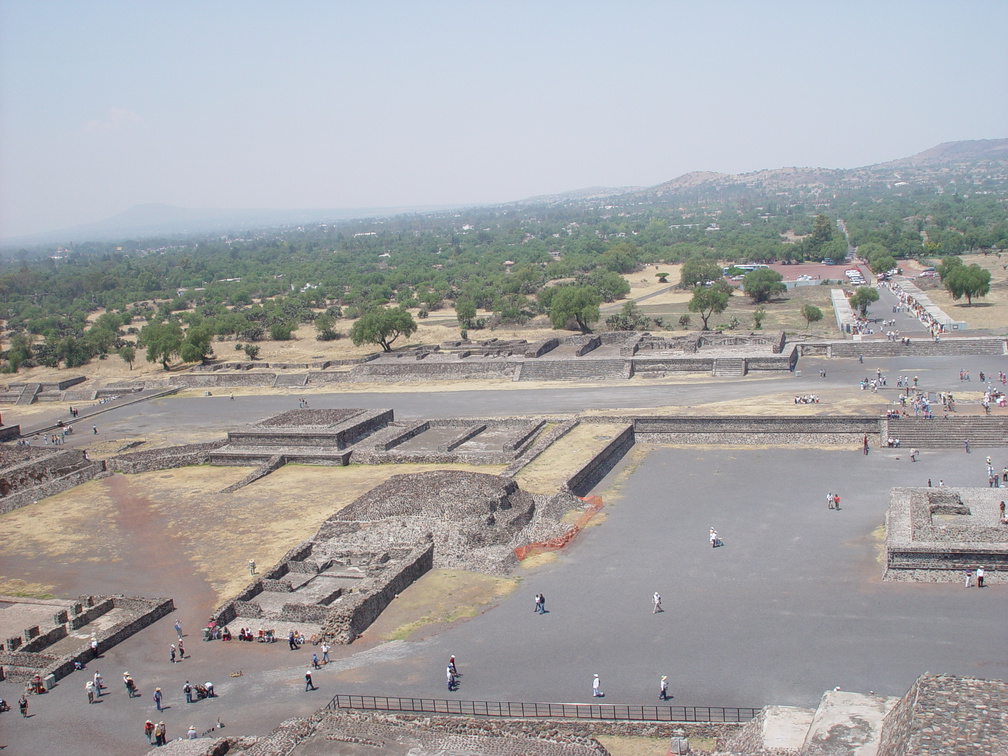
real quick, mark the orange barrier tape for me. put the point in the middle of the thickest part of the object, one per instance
(553, 544)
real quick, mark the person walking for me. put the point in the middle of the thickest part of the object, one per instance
(980, 577)
(314, 661)
(161, 734)
(187, 689)
(969, 577)
(178, 629)
(181, 650)
(657, 604)
(325, 652)
(89, 689)
(596, 688)
(251, 566)
(23, 705)
(130, 685)
(829, 500)
(99, 683)
(663, 691)
(451, 678)
(308, 684)
(535, 605)
(157, 698)
(172, 652)
(966, 443)
(542, 603)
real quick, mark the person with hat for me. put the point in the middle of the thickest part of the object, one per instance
(191, 734)
(596, 690)
(663, 693)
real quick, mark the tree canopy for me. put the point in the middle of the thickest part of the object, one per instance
(382, 326)
(709, 300)
(969, 282)
(577, 303)
(862, 298)
(761, 284)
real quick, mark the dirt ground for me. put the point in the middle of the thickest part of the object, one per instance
(986, 313)
(117, 526)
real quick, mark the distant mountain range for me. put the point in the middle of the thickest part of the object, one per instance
(966, 165)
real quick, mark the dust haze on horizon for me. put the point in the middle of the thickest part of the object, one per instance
(107, 105)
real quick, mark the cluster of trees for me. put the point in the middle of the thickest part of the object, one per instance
(514, 262)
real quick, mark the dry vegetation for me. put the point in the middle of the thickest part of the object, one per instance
(989, 313)
(546, 473)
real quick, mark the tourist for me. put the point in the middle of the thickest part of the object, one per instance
(172, 652)
(451, 665)
(157, 698)
(325, 652)
(596, 689)
(542, 603)
(663, 690)
(191, 734)
(23, 705)
(969, 577)
(187, 690)
(130, 685)
(161, 734)
(181, 650)
(178, 629)
(149, 731)
(314, 661)
(290, 640)
(451, 678)
(966, 444)
(99, 683)
(308, 684)
(251, 566)
(209, 689)
(89, 688)
(980, 577)
(657, 604)
(829, 500)
(836, 501)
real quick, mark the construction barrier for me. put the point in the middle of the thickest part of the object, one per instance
(553, 544)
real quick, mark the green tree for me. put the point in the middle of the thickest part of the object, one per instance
(761, 284)
(969, 282)
(629, 319)
(465, 312)
(127, 352)
(697, 270)
(252, 351)
(196, 344)
(325, 326)
(662, 277)
(812, 314)
(383, 326)
(577, 303)
(162, 340)
(947, 266)
(862, 299)
(758, 315)
(707, 301)
(823, 232)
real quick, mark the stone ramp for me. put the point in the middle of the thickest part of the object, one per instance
(847, 724)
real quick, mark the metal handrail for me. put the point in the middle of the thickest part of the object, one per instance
(526, 710)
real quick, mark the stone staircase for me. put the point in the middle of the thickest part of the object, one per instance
(573, 370)
(948, 433)
(295, 380)
(28, 393)
(730, 367)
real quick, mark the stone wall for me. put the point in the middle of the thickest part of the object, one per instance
(52, 487)
(590, 473)
(545, 441)
(163, 459)
(412, 430)
(492, 368)
(470, 431)
(539, 348)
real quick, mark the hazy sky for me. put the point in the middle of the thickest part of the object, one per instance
(296, 104)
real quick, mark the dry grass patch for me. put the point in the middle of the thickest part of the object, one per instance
(437, 599)
(548, 472)
(986, 313)
(625, 745)
(24, 589)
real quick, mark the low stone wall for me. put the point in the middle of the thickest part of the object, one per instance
(357, 611)
(590, 473)
(52, 487)
(522, 440)
(469, 432)
(413, 430)
(275, 463)
(540, 348)
(222, 380)
(89, 615)
(543, 443)
(589, 346)
(492, 368)
(163, 459)
(24, 664)
(648, 429)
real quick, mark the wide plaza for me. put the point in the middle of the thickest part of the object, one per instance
(793, 604)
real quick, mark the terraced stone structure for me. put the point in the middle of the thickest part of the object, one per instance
(936, 534)
(340, 580)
